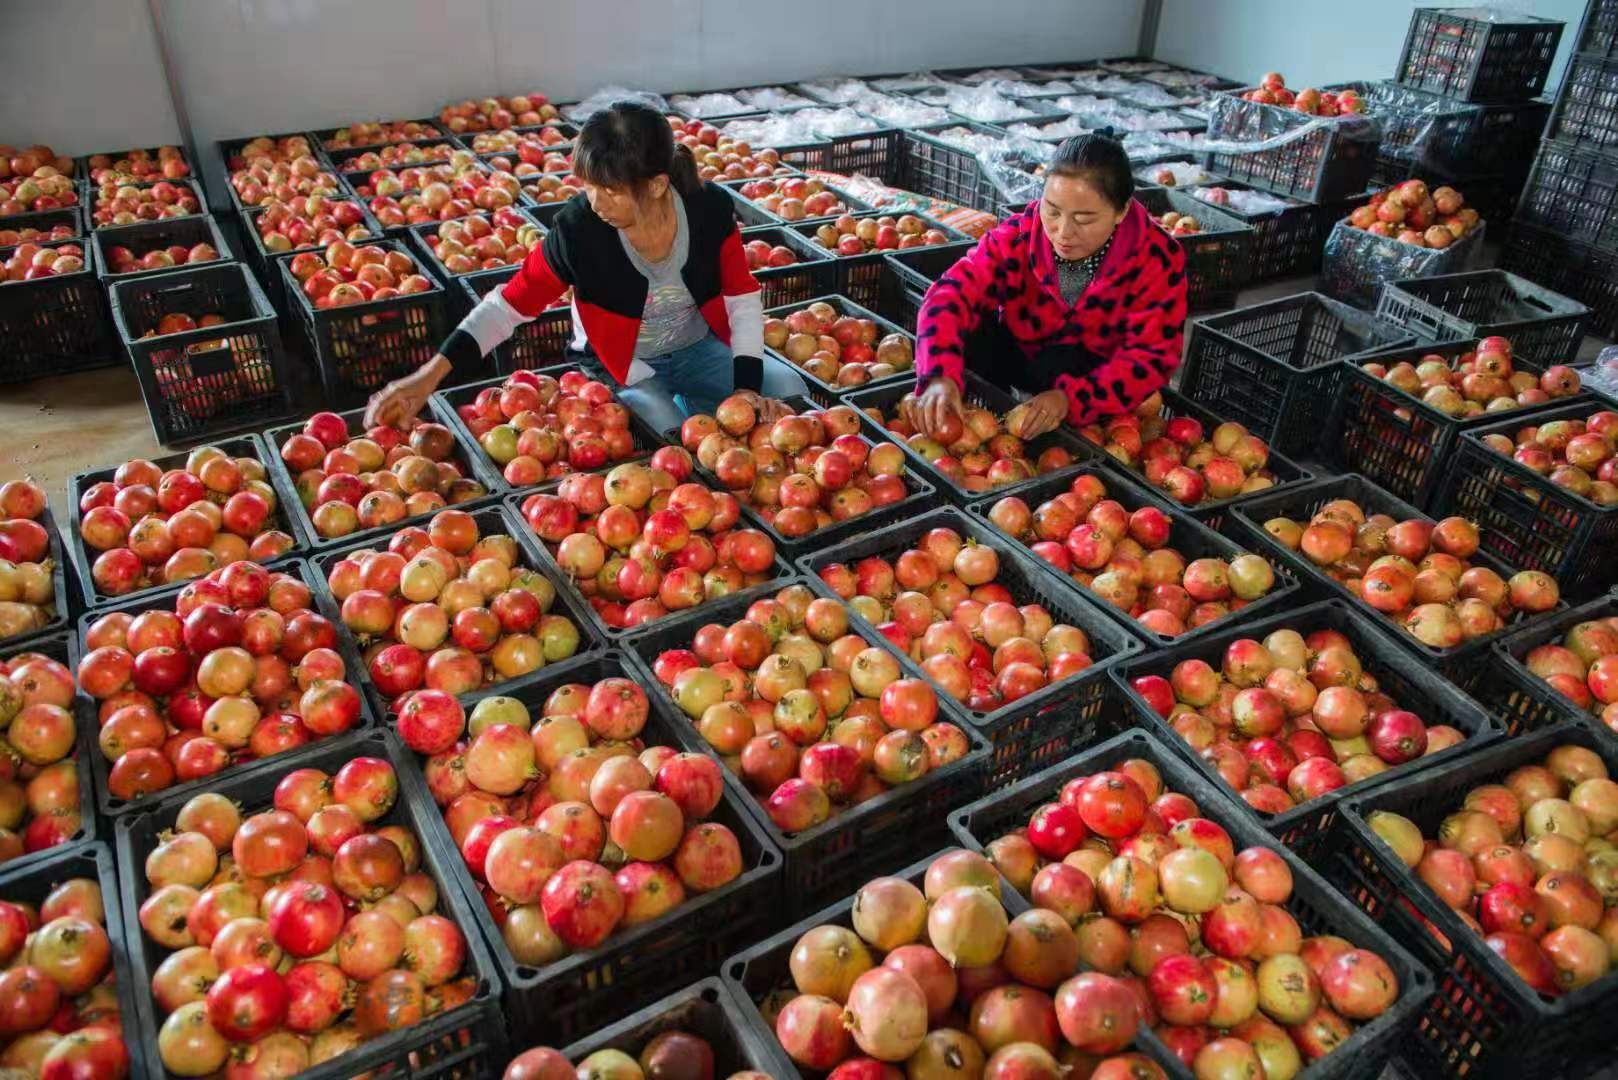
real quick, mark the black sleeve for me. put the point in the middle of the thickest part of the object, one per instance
(749, 373)
(462, 351)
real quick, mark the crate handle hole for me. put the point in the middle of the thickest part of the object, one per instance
(710, 995)
(737, 970)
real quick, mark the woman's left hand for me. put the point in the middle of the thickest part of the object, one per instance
(1041, 413)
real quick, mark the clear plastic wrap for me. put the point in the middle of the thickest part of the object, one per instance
(1237, 126)
(840, 91)
(984, 75)
(580, 111)
(985, 104)
(1134, 67)
(1180, 77)
(1248, 202)
(1073, 74)
(1358, 263)
(1084, 103)
(1020, 88)
(1178, 174)
(1055, 131)
(1152, 96)
(784, 129)
(900, 111)
(774, 97)
(915, 80)
(703, 106)
(833, 123)
(1425, 131)
(1603, 374)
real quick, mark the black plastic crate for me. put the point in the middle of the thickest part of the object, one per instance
(861, 277)
(752, 214)
(1463, 665)
(912, 274)
(979, 393)
(492, 518)
(62, 565)
(1275, 366)
(1525, 519)
(1395, 439)
(466, 458)
(1286, 241)
(468, 1040)
(1586, 273)
(56, 325)
(1545, 327)
(833, 858)
(1468, 54)
(1314, 904)
(538, 343)
(1217, 257)
(63, 647)
(360, 348)
(1214, 513)
(706, 1009)
(1406, 678)
(1573, 191)
(800, 282)
(45, 220)
(113, 808)
(151, 235)
(1049, 724)
(199, 383)
(282, 517)
(1189, 537)
(1522, 700)
(1483, 1020)
(1586, 111)
(1358, 266)
(1598, 33)
(942, 170)
(877, 154)
(843, 306)
(1313, 159)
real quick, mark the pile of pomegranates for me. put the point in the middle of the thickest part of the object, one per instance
(378, 133)
(1177, 224)
(1476, 382)
(138, 166)
(570, 824)
(306, 221)
(1414, 215)
(1579, 453)
(348, 482)
(533, 161)
(551, 188)
(940, 603)
(849, 235)
(801, 472)
(672, 1052)
(1291, 718)
(645, 540)
(539, 427)
(720, 157)
(1272, 90)
(39, 779)
(497, 113)
(762, 255)
(27, 572)
(122, 259)
(264, 169)
(839, 350)
(425, 193)
(153, 526)
(396, 156)
(237, 666)
(1526, 862)
(1584, 667)
(818, 719)
(1124, 558)
(449, 607)
(1415, 572)
(478, 242)
(62, 1017)
(32, 234)
(1136, 873)
(976, 449)
(29, 261)
(939, 980)
(297, 931)
(347, 274)
(793, 198)
(114, 203)
(46, 187)
(1179, 455)
(507, 141)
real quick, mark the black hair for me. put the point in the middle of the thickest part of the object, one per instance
(626, 144)
(1100, 160)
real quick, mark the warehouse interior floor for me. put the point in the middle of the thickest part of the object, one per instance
(52, 429)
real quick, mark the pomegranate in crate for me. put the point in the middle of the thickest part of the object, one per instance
(483, 243)
(839, 350)
(1583, 668)
(27, 572)
(849, 235)
(497, 113)
(1414, 214)
(977, 450)
(538, 427)
(304, 221)
(720, 157)
(40, 791)
(1580, 455)
(138, 166)
(117, 203)
(1177, 454)
(377, 132)
(1272, 90)
(30, 261)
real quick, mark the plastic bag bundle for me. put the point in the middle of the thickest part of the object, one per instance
(1084, 103)
(967, 139)
(705, 105)
(1152, 96)
(1065, 128)
(773, 97)
(900, 111)
(581, 111)
(916, 80)
(831, 123)
(784, 129)
(842, 91)
(1603, 374)
(1179, 174)
(1134, 67)
(1027, 88)
(1178, 77)
(983, 103)
(1244, 201)
(991, 75)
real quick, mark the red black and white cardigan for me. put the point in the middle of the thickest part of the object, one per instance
(1131, 315)
(584, 253)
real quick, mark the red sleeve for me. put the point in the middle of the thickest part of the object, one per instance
(1153, 327)
(957, 303)
(735, 278)
(541, 280)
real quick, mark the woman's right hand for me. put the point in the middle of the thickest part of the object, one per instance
(940, 400)
(398, 403)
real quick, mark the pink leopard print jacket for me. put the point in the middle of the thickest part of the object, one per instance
(1131, 317)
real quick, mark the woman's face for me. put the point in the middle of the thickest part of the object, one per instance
(620, 206)
(1078, 219)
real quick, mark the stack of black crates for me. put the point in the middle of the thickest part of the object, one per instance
(1565, 234)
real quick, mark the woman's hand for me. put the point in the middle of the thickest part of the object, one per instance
(1041, 413)
(934, 405)
(398, 403)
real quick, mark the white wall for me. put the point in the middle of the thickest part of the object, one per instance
(1317, 41)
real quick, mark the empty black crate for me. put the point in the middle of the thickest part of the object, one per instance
(979, 393)
(833, 858)
(942, 170)
(1275, 366)
(1573, 191)
(1545, 327)
(361, 347)
(467, 1040)
(706, 1009)
(912, 273)
(1400, 674)
(212, 379)
(1313, 159)
(148, 236)
(55, 325)
(1526, 519)
(1483, 1021)
(1051, 723)
(1469, 54)
(1586, 273)
(1586, 111)
(1523, 701)
(1464, 664)
(540, 342)
(1218, 256)
(1317, 908)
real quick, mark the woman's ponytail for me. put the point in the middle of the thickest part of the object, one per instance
(683, 171)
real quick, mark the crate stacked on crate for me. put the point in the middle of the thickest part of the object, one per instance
(1563, 234)
(1288, 233)
(910, 274)
(56, 321)
(1314, 158)
(1407, 231)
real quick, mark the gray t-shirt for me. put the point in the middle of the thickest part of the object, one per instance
(671, 320)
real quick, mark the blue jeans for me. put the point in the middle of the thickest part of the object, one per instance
(694, 380)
